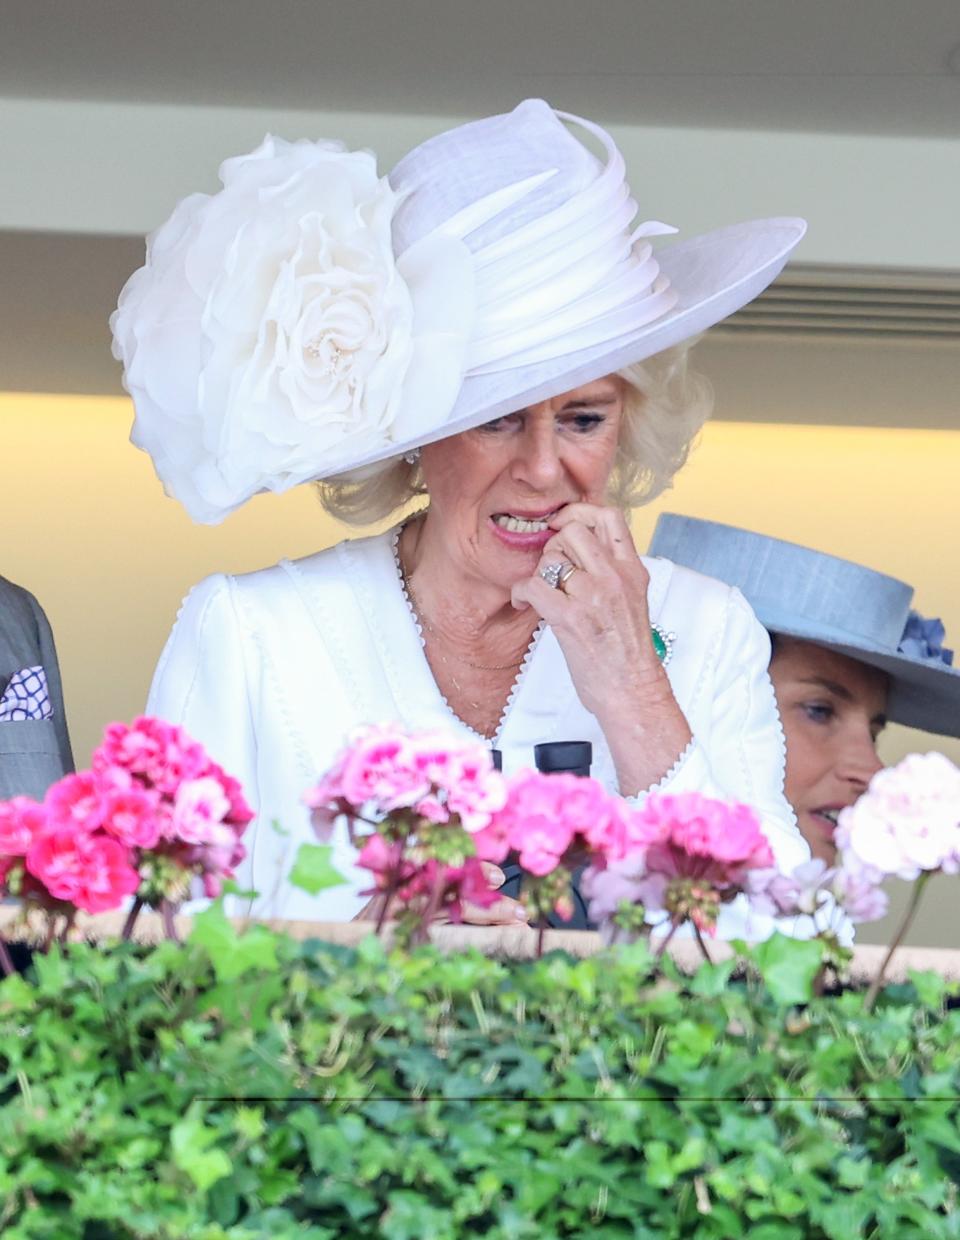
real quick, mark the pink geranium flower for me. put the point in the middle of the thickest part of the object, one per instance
(382, 858)
(21, 819)
(160, 753)
(73, 803)
(691, 826)
(151, 814)
(239, 814)
(130, 815)
(690, 855)
(92, 872)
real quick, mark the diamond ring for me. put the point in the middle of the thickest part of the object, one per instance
(553, 573)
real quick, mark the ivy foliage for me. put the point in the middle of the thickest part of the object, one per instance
(243, 1087)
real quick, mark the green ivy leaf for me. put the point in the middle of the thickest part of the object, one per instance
(16, 995)
(190, 1141)
(233, 954)
(789, 966)
(232, 888)
(930, 987)
(312, 871)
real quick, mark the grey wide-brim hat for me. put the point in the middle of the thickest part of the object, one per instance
(835, 603)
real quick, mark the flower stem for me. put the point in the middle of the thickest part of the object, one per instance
(432, 906)
(665, 941)
(905, 924)
(6, 963)
(67, 926)
(166, 912)
(393, 882)
(131, 919)
(703, 947)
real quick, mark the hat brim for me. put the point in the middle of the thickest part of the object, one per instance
(714, 275)
(924, 695)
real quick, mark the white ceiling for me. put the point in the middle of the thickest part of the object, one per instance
(854, 66)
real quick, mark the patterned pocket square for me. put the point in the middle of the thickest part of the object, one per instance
(26, 697)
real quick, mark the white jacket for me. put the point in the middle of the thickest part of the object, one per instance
(272, 670)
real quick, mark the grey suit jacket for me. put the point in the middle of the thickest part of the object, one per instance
(33, 752)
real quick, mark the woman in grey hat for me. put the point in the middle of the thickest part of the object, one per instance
(847, 656)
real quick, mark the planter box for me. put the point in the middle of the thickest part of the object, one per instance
(506, 942)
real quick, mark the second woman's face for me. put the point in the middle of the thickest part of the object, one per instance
(493, 490)
(833, 709)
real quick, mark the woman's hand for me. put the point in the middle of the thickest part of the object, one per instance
(601, 619)
(506, 911)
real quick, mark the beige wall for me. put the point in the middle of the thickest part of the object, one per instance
(91, 534)
(878, 200)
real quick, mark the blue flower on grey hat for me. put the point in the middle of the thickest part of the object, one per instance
(923, 639)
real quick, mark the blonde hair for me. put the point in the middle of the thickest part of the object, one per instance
(666, 404)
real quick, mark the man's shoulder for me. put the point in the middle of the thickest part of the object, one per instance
(16, 600)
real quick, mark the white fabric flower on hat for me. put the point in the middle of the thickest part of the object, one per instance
(271, 331)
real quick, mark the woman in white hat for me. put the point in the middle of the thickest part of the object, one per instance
(849, 655)
(470, 329)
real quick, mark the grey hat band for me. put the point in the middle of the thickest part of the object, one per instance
(780, 621)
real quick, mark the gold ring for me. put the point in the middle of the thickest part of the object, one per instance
(565, 576)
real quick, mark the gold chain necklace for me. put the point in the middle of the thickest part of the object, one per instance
(479, 667)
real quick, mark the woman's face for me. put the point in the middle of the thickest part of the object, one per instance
(833, 709)
(493, 489)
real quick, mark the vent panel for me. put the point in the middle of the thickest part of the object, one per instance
(819, 302)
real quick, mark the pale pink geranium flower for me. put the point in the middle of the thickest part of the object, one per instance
(817, 891)
(432, 754)
(379, 769)
(199, 810)
(861, 898)
(433, 809)
(908, 820)
(475, 791)
(607, 889)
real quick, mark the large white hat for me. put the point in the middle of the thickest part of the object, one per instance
(311, 317)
